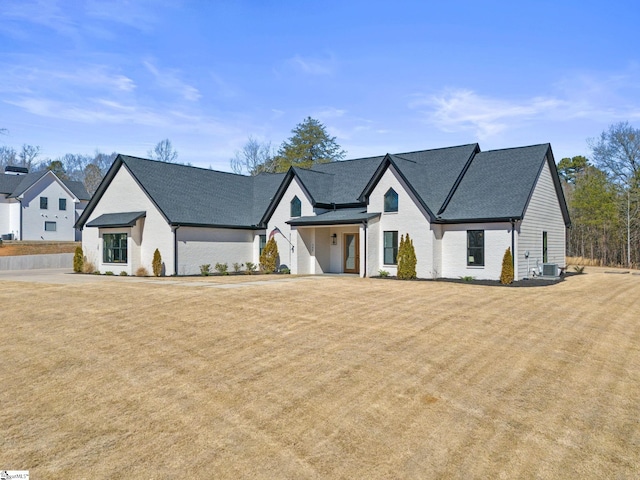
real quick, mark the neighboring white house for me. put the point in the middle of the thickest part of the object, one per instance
(40, 206)
(462, 207)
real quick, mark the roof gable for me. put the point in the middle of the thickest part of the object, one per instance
(498, 185)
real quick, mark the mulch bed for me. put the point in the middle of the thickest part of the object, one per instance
(532, 282)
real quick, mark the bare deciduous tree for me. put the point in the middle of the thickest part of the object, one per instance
(253, 158)
(164, 152)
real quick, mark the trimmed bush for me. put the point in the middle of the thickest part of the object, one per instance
(124, 274)
(506, 277)
(157, 263)
(406, 259)
(269, 256)
(78, 260)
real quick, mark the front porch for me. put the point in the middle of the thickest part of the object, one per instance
(332, 242)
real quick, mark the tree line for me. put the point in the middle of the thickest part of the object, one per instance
(603, 197)
(88, 169)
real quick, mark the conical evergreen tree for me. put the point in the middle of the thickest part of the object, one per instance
(506, 277)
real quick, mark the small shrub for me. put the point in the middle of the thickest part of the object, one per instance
(142, 272)
(78, 260)
(97, 272)
(285, 270)
(467, 278)
(108, 272)
(124, 274)
(269, 257)
(383, 273)
(506, 277)
(88, 267)
(237, 266)
(579, 269)
(251, 268)
(222, 268)
(157, 263)
(205, 270)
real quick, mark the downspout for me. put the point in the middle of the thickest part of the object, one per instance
(175, 250)
(364, 225)
(513, 244)
(20, 200)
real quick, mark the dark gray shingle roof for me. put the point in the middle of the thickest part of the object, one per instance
(336, 217)
(497, 184)
(16, 185)
(197, 196)
(125, 219)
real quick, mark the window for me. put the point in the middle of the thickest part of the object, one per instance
(115, 248)
(44, 203)
(545, 257)
(49, 226)
(62, 204)
(296, 207)
(475, 248)
(263, 242)
(391, 201)
(390, 248)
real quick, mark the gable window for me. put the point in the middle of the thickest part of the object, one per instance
(62, 204)
(115, 248)
(391, 248)
(475, 248)
(545, 257)
(44, 203)
(296, 207)
(263, 243)
(391, 201)
(50, 226)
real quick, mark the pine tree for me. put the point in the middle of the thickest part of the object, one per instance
(269, 256)
(157, 263)
(506, 277)
(78, 260)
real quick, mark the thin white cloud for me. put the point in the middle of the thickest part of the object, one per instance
(329, 112)
(459, 110)
(312, 66)
(169, 80)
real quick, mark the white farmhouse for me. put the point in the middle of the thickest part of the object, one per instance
(462, 207)
(40, 206)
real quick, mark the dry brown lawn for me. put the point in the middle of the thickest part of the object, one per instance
(325, 378)
(36, 248)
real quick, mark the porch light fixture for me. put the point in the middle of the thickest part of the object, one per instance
(334, 239)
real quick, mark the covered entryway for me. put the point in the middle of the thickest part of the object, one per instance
(332, 242)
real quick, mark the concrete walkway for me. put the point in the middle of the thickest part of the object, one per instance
(65, 276)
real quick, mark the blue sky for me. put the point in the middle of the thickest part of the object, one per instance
(76, 76)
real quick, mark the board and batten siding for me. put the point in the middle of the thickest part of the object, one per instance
(125, 195)
(199, 245)
(543, 214)
(410, 218)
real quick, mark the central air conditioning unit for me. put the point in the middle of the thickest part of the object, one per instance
(550, 269)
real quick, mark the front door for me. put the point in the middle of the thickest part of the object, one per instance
(351, 253)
